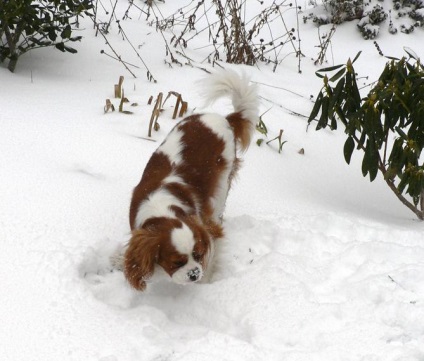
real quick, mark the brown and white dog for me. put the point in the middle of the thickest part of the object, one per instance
(176, 209)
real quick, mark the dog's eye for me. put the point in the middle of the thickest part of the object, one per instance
(179, 264)
(197, 256)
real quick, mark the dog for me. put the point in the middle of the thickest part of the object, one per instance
(177, 207)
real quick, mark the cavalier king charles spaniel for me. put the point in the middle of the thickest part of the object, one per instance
(176, 208)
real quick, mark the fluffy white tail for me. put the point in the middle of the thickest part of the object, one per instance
(244, 95)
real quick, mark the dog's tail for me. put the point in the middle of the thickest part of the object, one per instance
(245, 101)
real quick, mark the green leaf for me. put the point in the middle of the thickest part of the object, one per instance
(411, 53)
(66, 33)
(52, 34)
(316, 107)
(373, 159)
(348, 148)
(403, 182)
(361, 140)
(356, 95)
(370, 160)
(323, 120)
(75, 38)
(330, 68)
(60, 46)
(373, 171)
(338, 75)
(397, 158)
(333, 122)
(365, 165)
(401, 133)
(356, 56)
(70, 50)
(337, 92)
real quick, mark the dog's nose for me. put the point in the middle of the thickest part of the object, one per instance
(194, 274)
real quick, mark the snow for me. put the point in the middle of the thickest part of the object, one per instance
(318, 264)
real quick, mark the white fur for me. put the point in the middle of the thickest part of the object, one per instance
(157, 205)
(172, 147)
(183, 241)
(219, 125)
(173, 179)
(243, 94)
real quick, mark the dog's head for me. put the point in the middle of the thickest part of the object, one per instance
(182, 247)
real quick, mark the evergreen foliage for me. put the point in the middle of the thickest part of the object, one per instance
(371, 15)
(29, 24)
(393, 109)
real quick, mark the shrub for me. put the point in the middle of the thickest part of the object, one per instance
(387, 125)
(368, 25)
(344, 10)
(29, 24)
(371, 15)
(232, 36)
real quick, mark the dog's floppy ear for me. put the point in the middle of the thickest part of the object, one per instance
(214, 229)
(140, 257)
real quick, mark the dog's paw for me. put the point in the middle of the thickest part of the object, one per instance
(101, 271)
(117, 260)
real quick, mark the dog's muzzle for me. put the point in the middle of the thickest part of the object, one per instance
(194, 274)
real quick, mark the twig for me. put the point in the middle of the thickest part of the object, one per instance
(112, 57)
(111, 17)
(116, 54)
(283, 107)
(150, 75)
(281, 88)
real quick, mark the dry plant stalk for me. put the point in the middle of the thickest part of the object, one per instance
(109, 106)
(121, 104)
(183, 110)
(280, 141)
(180, 109)
(118, 87)
(325, 42)
(155, 115)
(179, 104)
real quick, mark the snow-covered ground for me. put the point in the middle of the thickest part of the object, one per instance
(318, 263)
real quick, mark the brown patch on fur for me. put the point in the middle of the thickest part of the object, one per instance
(147, 247)
(242, 129)
(140, 258)
(204, 229)
(183, 193)
(203, 162)
(156, 170)
(214, 229)
(205, 233)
